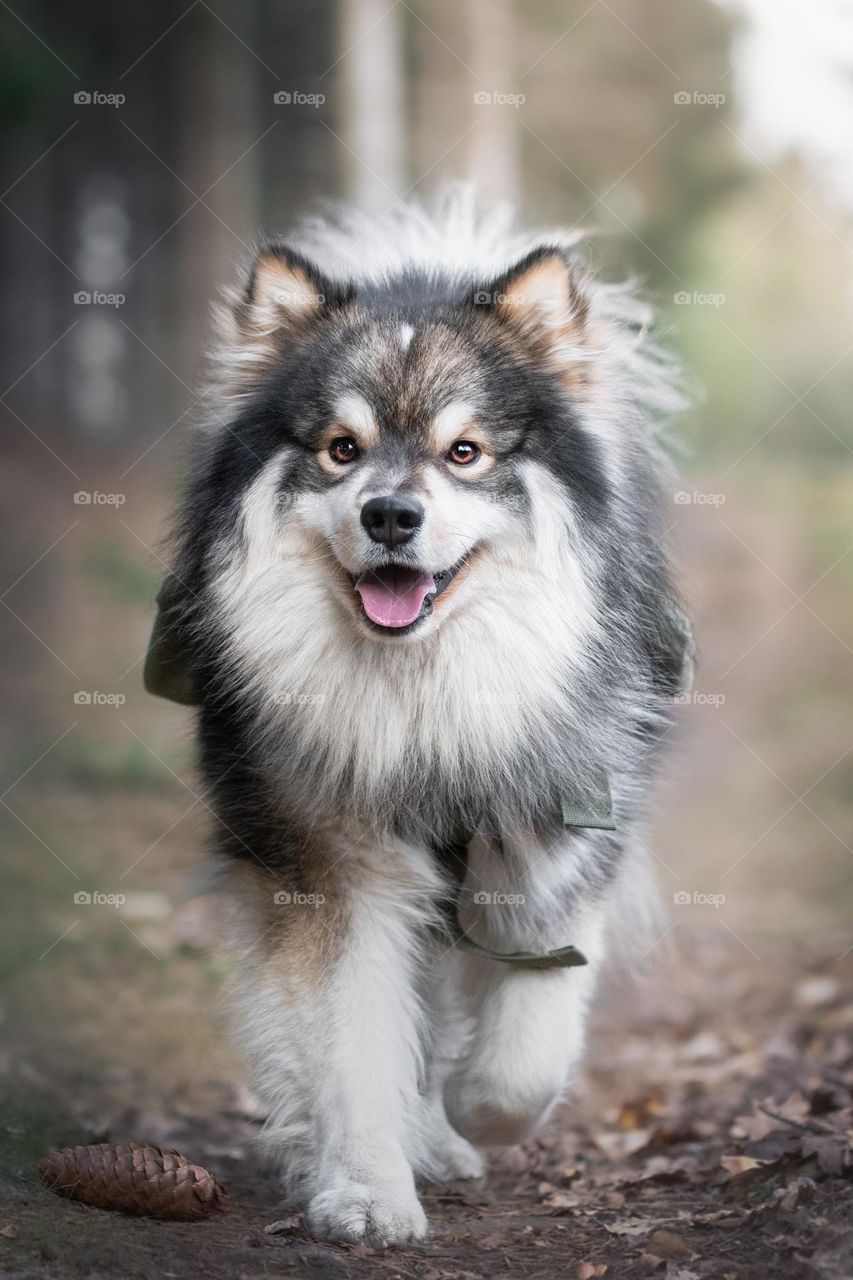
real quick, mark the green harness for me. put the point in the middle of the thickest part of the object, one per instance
(168, 673)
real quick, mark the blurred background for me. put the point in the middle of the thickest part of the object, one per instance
(706, 144)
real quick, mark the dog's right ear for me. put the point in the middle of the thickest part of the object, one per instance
(285, 288)
(283, 294)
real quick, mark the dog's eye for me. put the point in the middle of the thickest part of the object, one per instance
(463, 453)
(343, 450)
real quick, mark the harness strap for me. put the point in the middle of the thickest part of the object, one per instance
(562, 958)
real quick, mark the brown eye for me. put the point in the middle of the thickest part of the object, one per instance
(463, 453)
(343, 450)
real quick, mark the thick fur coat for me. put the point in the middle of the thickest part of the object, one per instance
(422, 584)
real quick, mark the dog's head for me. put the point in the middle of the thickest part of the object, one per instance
(408, 423)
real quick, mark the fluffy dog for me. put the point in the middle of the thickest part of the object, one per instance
(423, 601)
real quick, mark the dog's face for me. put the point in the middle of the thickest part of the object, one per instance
(409, 414)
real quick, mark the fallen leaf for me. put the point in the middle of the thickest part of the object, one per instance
(9, 1232)
(829, 1151)
(616, 1146)
(810, 993)
(753, 1127)
(636, 1115)
(282, 1226)
(704, 1047)
(735, 1165)
(630, 1227)
(665, 1244)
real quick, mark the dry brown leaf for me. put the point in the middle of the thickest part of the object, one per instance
(666, 1244)
(630, 1227)
(754, 1127)
(282, 1226)
(636, 1115)
(735, 1165)
(616, 1146)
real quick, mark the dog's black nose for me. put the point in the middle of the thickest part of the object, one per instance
(392, 519)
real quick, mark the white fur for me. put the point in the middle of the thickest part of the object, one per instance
(525, 614)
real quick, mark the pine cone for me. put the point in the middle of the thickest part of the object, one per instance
(134, 1179)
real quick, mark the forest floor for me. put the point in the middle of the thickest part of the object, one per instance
(709, 1137)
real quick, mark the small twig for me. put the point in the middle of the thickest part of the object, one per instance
(811, 1127)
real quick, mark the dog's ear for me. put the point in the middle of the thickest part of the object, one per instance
(542, 299)
(283, 294)
(285, 290)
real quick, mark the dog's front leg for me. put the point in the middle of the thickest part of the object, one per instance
(528, 1024)
(331, 1017)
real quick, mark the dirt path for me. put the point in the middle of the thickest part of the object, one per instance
(710, 1138)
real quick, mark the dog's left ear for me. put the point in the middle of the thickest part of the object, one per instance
(541, 297)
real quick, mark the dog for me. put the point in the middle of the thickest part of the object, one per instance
(423, 600)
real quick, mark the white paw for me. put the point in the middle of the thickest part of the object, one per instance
(356, 1212)
(495, 1112)
(451, 1157)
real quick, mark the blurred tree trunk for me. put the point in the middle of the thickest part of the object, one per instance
(220, 120)
(302, 158)
(442, 94)
(372, 118)
(494, 144)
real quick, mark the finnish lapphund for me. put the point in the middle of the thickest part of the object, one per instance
(423, 602)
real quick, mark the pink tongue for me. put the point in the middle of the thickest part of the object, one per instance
(393, 597)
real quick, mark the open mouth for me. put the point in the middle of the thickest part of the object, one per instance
(396, 598)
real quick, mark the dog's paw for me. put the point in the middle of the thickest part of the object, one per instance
(358, 1213)
(450, 1158)
(460, 1159)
